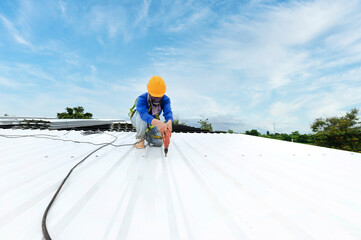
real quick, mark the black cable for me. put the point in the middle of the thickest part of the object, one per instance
(43, 223)
(46, 136)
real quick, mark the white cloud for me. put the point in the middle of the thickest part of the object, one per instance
(72, 58)
(189, 21)
(111, 19)
(278, 109)
(7, 82)
(338, 100)
(118, 20)
(14, 32)
(36, 71)
(282, 62)
(22, 75)
(275, 58)
(62, 7)
(142, 15)
(270, 47)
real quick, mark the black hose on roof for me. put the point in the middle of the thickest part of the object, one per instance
(43, 223)
(52, 137)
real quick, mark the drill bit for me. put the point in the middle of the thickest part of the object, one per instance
(165, 151)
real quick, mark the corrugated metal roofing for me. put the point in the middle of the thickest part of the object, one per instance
(57, 124)
(211, 186)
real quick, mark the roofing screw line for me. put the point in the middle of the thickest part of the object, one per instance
(172, 221)
(256, 197)
(133, 198)
(81, 203)
(222, 212)
(43, 225)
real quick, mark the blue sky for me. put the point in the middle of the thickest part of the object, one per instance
(241, 64)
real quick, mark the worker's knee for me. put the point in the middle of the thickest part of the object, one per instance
(139, 124)
(157, 142)
(154, 138)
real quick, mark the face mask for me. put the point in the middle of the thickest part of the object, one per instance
(155, 103)
(155, 100)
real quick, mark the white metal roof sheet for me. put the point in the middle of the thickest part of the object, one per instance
(211, 186)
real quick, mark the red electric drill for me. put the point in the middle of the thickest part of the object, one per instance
(166, 140)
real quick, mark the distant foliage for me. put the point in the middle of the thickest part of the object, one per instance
(74, 113)
(253, 132)
(335, 132)
(338, 132)
(294, 136)
(206, 125)
(301, 138)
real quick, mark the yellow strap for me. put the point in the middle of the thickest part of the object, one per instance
(157, 137)
(132, 111)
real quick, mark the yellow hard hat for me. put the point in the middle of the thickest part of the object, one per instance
(156, 86)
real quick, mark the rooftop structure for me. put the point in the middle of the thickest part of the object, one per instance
(79, 124)
(211, 186)
(65, 124)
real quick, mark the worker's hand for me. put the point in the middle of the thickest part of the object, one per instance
(166, 138)
(169, 125)
(162, 127)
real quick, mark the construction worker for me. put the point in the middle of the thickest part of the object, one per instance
(145, 116)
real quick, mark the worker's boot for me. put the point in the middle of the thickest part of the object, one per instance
(140, 144)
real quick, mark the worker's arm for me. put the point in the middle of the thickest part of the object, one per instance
(169, 125)
(167, 110)
(142, 108)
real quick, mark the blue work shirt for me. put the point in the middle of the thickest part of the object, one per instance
(143, 106)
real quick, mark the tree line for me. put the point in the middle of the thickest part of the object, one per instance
(342, 133)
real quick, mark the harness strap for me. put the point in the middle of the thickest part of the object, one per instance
(132, 111)
(157, 137)
(149, 126)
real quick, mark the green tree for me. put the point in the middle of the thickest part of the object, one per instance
(253, 132)
(74, 113)
(338, 132)
(206, 125)
(282, 136)
(230, 131)
(295, 136)
(305, 138)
